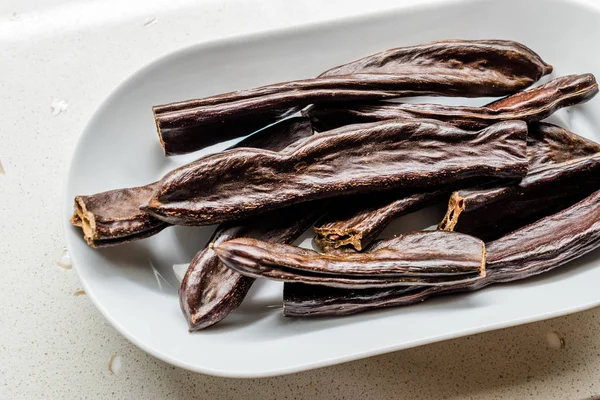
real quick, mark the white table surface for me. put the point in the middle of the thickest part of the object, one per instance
(56, 345)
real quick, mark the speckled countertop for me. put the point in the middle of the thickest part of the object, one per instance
(60, 58)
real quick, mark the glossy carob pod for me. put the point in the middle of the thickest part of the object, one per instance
(395, 154)
(466, 68)
(114, 217)
(563, 169)
(531, 105)
(356, 223)
(432, 258)
(209, 290)
(534, 249)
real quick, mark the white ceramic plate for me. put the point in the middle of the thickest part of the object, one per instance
(134, 285)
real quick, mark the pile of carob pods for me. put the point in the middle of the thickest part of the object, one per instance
(342, 152)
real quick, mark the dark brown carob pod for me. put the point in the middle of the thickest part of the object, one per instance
(356, 223)
(429, 258)
(496, 59)
(530, 105)
(395, 154)
(209, 290)
(466, 68)
(114, 217)
(564, 168)
(357, 220)
(534, 249)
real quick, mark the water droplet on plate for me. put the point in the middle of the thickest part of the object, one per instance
(555, 341)
(58, 106)
(150, 21)
(64, 261)
(114, 364)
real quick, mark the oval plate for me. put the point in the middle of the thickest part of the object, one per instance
(134, 285)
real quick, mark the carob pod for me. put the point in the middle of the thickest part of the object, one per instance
(114, 217)
(356, 223)
(505, 62)
(209, 290)
(360, 220)
(357, 220)
(530, 105)
(549, 144)
(464, 68)
(429, 258)
(564, 168)
(534, 249)
(395, 154)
